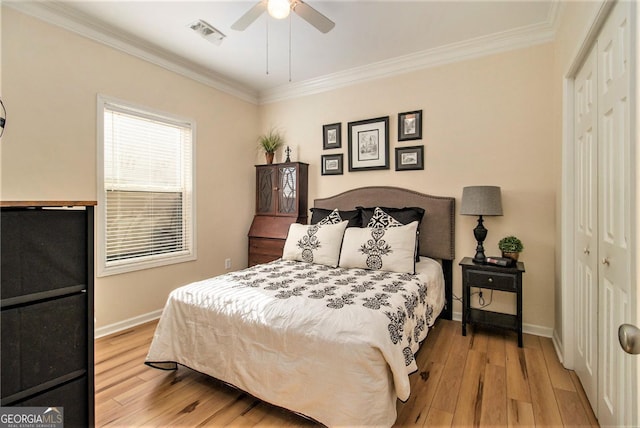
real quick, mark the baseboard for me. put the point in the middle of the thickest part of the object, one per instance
(557, 343)
(128, 323)
(536, 330)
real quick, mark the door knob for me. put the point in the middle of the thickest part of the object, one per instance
(629, 337)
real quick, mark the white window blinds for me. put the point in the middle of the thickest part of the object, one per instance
(147, 198)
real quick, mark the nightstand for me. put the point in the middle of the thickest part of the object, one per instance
(491, 277)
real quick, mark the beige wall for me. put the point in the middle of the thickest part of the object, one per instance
(492, 120)
(486, 121)
(50, 80)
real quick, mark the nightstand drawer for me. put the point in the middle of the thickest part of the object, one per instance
(492, 280)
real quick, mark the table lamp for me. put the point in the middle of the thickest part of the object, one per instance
(480, 201)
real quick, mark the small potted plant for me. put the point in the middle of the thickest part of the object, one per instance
(269, 143)
(510, 247)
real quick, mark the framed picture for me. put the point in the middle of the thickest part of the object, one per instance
(332, 136)
(369, 144)
(408, 158)
(410, 125)
(332, 164)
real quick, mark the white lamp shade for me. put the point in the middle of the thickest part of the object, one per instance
(481, 200)
(278, 9)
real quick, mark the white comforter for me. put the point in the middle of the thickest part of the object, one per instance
(336, 345)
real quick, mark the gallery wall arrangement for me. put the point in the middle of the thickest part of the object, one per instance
(369, 145)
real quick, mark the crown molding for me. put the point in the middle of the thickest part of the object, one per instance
(63, 16)
(482, 46)
(70, 19)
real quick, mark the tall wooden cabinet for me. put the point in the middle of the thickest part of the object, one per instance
(46, 326)
(281, 199)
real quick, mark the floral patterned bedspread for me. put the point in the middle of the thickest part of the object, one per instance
(317, 322)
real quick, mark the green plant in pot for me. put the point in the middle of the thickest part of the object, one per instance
(269, 143)
(510, 247)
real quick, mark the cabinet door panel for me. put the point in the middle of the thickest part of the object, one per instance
(266, 182)
(287, 190)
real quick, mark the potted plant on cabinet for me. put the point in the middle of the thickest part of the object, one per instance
(510, 247)
(269, 143)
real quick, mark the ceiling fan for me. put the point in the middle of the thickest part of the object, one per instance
(280, 9)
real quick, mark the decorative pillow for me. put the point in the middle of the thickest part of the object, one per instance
(392, 217)
(391, 249)
(403, 215)
(382, 219)
(314, 243)
(319, 214)
(332, 218)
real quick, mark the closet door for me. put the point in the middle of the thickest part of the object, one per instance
(617, 375)
(586, 226)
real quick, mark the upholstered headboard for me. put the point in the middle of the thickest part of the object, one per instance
(437, 230)
(437, 239)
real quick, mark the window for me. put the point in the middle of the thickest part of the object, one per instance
(145, 188)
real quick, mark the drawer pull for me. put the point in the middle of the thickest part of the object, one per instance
(605, 261)
(490, 280)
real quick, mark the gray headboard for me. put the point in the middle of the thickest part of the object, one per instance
(437, 237)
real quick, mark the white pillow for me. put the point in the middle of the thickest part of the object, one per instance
(314, 243)
(391, 249)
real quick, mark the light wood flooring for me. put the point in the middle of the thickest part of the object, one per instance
(482, 379)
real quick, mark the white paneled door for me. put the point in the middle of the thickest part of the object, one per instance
(605, 288)
(586, 226)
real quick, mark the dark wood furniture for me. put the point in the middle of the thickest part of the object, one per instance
(491, 277)
(281, 199)
(437, 229)
(46, 327)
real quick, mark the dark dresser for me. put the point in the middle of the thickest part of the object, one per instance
(46, 325)
(281, 199)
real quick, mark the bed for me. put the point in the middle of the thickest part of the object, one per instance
(328, 338)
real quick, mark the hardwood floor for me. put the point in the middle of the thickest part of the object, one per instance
(482, 379)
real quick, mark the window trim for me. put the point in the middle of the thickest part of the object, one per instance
(155, 260)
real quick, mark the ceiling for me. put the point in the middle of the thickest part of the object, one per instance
(370, 38)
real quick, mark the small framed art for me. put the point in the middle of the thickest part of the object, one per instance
(369, 144)
(410, 125)
(409, 158)
(332, 136)
(332, 164)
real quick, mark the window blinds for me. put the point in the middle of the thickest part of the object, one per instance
(147, 185)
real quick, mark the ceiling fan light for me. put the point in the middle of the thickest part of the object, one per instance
(279, 9)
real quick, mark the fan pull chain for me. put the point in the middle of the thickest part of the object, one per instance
(289, 48)
(267, 47)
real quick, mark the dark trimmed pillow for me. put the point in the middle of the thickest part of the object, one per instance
(404, 215)
(353, 217)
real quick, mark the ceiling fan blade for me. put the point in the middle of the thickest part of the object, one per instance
(312, 16)
(251, 15)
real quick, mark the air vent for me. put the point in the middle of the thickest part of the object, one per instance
(207, 31)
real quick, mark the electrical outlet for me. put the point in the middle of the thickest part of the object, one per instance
(227, 264)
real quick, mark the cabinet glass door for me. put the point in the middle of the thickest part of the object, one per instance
(266, 185)
(287, 190)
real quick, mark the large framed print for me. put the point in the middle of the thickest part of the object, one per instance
(369, 144)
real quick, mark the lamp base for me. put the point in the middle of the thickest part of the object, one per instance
(480, 232)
